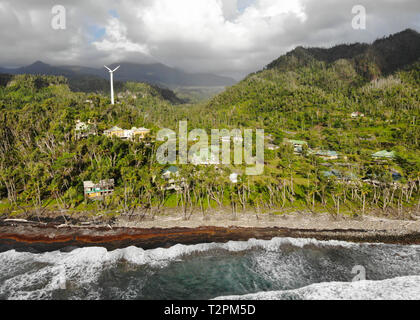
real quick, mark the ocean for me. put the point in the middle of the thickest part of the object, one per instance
(281, 268)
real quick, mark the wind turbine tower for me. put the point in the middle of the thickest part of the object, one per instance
(111, 72)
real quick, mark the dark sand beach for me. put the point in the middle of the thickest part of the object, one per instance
(166, 231)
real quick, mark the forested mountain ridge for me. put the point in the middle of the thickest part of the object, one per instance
(381, 58)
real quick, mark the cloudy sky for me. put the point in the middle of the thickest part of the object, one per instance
(228, 37)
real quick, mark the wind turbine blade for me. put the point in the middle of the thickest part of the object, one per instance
(116, 69)
(108, 68)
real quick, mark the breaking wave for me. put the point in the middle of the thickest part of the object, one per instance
(276, 268)
(403, 288)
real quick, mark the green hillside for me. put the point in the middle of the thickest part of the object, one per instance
(347, 164)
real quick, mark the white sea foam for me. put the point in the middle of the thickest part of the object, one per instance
(140, 256)
(403, 288)
(37, 276)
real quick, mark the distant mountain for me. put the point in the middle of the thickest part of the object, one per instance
(157, 74)
(5, 71)
(45, 69)
(39, 68)
(382, 57)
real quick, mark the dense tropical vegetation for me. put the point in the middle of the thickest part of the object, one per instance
(308, 94)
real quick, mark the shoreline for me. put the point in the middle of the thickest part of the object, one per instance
(167, 231)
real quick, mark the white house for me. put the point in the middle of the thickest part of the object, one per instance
(357, 115)
(272, 147)
(234, 177)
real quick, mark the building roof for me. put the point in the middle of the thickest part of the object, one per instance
(333, 172)
(115, 128)
(172, 169)
(326, 153)
(384, 154)
(296, 142)
(140, 129)
(91, 184)
(88, 184)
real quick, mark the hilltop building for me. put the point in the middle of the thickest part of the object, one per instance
(234, 177)
(325, 154)
(115, 132)
(96, 191)
(124, 134)
(384, 154)
(357, 114)
(141, 133)
(297, 145)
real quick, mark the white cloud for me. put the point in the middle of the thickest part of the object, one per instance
(222, 36)
(192, 30)
(116, 39)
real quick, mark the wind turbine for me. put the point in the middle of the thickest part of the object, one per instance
(111, 72)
